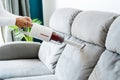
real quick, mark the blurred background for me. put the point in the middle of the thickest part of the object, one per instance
(31, 8)
(41, 10)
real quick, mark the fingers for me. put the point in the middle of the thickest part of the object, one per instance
(19, 22)
(23, 22)
(29, 24)
(28, 18)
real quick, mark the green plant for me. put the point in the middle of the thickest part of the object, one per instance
(20, 34)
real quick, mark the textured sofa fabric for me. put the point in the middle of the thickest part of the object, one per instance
(108, 67)
(22, 68)
(47, 77)
(113, 39)
(90, 23)
(98, 60)
(18, 50)
(79, 63)
(49, 54)
(61, 21)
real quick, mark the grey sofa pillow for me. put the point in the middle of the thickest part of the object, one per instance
(77, 64)
(50, 52)
(107, 68)
(92, 26)
(61, 21)
(113, 37)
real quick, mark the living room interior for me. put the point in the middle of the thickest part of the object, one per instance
(68, 40)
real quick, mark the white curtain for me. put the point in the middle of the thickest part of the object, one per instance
(18, 7)
(2, 30)
(1, 36)
(49, 6)
(5, 34)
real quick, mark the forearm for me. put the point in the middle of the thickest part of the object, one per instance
(7, 21)
(5, 13)
(6, 18)
(19, 50)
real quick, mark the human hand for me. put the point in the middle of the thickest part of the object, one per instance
(23, 22)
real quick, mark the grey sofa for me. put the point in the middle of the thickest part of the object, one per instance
(98, 60)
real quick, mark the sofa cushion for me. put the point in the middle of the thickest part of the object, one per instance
(46, 77)
(92, 26)
(12, 50)
(113, 39)
(107, 68)
(77, 64)
(22, 68)
(50, 52)
(62, 19)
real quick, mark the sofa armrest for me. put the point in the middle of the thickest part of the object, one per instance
(19, 50)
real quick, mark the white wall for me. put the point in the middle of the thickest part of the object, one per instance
(49, 7)
(100, 5)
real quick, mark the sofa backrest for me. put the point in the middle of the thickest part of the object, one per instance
(60, 21)
(90, 28)
(108, 66)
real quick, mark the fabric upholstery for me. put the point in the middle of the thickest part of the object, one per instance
(113, 39)
(49, 53)
(22, 68)
(98, 60)
(61, 22)
(92, 26)
(62, 19)
(77, 64)
(107, 68)
(46, 77)
(19, 50)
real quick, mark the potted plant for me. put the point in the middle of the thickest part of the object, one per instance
(20, 34)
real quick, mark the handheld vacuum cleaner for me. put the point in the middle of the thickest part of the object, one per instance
(47, 34)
